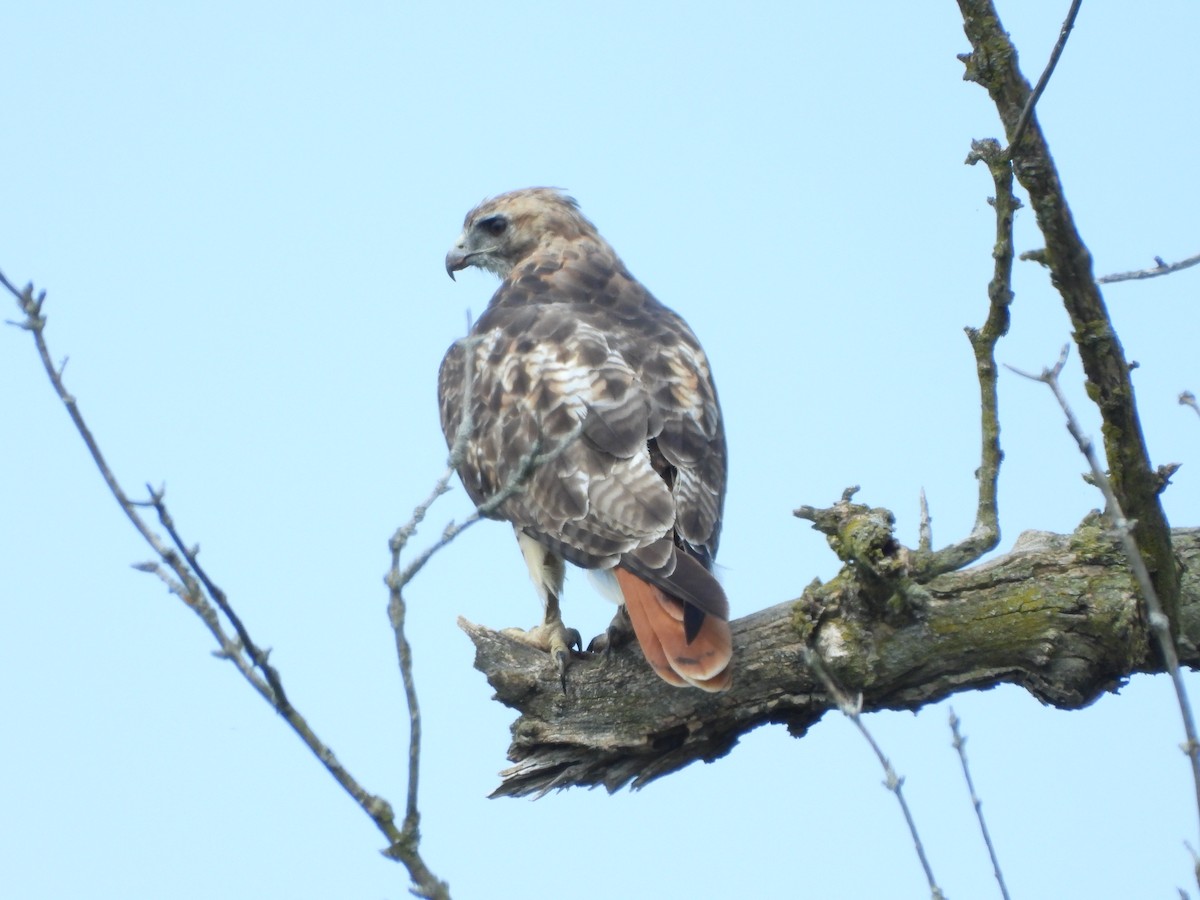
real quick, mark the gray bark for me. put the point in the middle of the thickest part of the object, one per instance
(1058, 615)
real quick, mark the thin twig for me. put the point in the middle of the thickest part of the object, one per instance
(960, 743)
(179, 571)
(257, 656)
(1159, 624)
(1059, 46)
(852, 709)
(407, 849)
(985, 535)
(35, 323)
(398, 578)
(1160, 268)
(925, 528)
(514, 485)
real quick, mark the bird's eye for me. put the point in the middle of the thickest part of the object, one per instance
(494, 225)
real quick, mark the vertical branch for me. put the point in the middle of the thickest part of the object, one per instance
(925, 527)
(993, 64)
(1159, 625)
(983, 340)
(407, 847)
(985, 535)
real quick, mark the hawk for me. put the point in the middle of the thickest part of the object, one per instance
(585, 411)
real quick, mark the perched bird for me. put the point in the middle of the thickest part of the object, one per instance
(587, 409)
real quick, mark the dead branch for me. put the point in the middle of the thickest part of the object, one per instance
(1160, 268)
(1058, 615)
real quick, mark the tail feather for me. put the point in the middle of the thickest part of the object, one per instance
(702, 661)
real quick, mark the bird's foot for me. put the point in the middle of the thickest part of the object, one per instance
(615, 636)
(554, 638)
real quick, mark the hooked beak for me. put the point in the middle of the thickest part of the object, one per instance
(456, 260)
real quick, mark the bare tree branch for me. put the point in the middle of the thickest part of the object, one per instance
(1036, 95)
(852, 709)
(407, 848)
(985, 535)
(1160, 268)
(960, 745)
(993, 64)
(177, 567)
(1057, 615)
(1159, 625)
(257, 656)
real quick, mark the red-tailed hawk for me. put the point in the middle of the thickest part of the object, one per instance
(575, 364)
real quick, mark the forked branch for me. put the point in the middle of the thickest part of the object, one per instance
(992, 63)
(177, 565)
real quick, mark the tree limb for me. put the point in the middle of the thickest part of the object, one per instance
(1058, 615)
(1160, 268)
(993, 64)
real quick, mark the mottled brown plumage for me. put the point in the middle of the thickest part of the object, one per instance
(574, 359)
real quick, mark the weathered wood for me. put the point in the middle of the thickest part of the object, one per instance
(1058, 615)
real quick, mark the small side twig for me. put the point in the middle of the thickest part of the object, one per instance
(960, 743)
(1160, 268)
(1159, 624)
(852, 709)
(925, 528)
(406, 849)
(1187, 398)
(985, 535)
(190, 554)
(1059, 46)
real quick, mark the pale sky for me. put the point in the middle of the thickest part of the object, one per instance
(240, 213)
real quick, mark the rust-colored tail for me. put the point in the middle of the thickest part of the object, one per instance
(658, 622)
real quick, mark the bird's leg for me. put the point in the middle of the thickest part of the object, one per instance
(553, 637)
(616, 635)
(547, 571)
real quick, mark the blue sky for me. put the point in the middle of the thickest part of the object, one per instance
(240, 212)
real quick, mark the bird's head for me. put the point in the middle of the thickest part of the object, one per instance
(500, 232)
